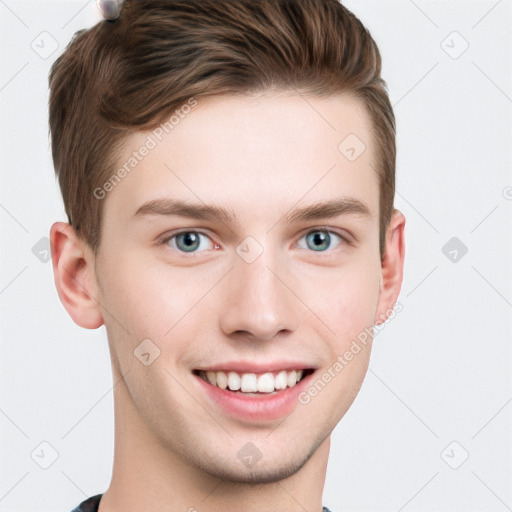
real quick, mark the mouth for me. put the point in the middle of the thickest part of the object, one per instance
(254, 383)
(253, 397)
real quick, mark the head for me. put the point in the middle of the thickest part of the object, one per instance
(238, 104)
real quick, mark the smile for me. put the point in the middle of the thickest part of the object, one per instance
(253, 397)
(267, 382)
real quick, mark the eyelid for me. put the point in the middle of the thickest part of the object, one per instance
(172, 234)
(346, 237)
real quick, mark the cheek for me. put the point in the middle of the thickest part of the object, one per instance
(344, 298)
(156, 302)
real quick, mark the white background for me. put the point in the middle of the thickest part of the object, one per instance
(440, 373)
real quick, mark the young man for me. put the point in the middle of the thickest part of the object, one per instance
(227, 169)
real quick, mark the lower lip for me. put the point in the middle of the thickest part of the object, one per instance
(254, 408)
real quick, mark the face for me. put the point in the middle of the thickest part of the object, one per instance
(244, 243)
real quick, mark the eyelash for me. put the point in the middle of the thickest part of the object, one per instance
(343, 239)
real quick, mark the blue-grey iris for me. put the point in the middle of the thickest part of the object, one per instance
(190, 240)
(318, 237)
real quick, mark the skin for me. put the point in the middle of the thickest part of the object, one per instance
(259, 157)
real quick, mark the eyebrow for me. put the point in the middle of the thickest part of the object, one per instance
(330, 209)
(322, 210)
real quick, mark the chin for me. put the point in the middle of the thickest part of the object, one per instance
(265, 471)
(239, 474)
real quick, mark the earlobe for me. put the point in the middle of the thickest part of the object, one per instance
(74, 276)
(392, 266)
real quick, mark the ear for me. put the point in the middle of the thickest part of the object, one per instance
(392, 268)
(74, 275)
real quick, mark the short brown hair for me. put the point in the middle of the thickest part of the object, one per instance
(130, 75)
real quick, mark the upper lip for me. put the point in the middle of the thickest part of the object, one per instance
(253, 367)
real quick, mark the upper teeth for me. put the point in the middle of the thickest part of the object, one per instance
(251, 383)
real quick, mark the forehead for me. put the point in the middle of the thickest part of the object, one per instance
(269, 150)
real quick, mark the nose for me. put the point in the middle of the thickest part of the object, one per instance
(259, 303)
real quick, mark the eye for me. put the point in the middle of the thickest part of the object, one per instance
(189, 241)
(320, 240)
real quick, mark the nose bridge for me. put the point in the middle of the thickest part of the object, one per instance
(257, 278)
(260, 303)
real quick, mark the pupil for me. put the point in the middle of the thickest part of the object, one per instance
(189, 240)
(320, 240)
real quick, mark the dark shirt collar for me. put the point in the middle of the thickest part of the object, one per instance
(91, 505)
